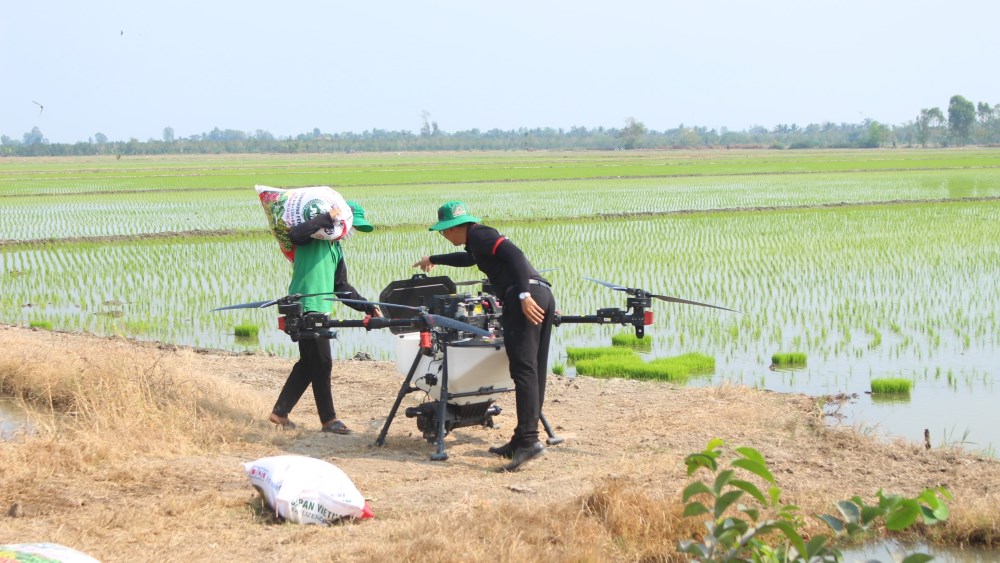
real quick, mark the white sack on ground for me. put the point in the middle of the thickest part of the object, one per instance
(306, 490)
(43, 552)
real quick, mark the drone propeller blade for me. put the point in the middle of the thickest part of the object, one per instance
(269, 302)
(641, 292)
(607, 284)
(323, 293)
(447, 322)
(254, 305)
(379, 303)
(688, 302)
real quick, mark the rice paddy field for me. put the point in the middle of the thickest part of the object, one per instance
(871, 265)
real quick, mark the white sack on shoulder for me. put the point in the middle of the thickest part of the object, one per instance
(287, 208)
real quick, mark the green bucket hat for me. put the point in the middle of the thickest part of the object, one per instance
(360, 223)
(451, 214)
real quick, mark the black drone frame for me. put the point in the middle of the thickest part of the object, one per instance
(438, 332)
(432, 342)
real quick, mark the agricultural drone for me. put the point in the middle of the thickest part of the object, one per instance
(454, 341)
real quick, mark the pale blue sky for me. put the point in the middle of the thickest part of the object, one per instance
(288, 67)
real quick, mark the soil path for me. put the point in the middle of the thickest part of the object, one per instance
(616, 430)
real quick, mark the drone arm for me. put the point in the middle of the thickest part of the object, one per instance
(603, 316)
(369, 323)
(639, 318)
(574, 319)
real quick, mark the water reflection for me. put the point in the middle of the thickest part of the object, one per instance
(897, 551)
(13, 419)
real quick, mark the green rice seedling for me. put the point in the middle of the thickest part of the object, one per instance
(44, 325)
(246, 330)
(629, 340)
(894, 385)
(677, 368)
(789, 359)
(692, 363)
(575, 354)
(607, 366)
(138, 327)
(558, 369)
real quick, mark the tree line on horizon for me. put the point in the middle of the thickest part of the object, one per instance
(963, 123)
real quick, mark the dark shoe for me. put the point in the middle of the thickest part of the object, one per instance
(505, 451)
(337, 427)
(282, 422)
(523, 455)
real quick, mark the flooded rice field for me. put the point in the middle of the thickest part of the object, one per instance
(903, 290)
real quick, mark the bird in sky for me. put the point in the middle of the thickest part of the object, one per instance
(40, 106)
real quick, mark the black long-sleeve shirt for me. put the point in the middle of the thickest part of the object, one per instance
(495, 255)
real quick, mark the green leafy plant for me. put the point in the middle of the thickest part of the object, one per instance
(768, 529)
(44, 325)
(558, 369)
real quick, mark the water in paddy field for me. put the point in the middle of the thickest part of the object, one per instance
(896, 551)
(13, 419)
(953, 396)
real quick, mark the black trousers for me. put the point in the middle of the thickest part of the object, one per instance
(527, 347)
(315, 366)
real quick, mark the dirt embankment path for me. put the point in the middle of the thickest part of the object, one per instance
(625, 440)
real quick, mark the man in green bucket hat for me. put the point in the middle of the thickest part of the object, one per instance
(528, 312)
(318, 268)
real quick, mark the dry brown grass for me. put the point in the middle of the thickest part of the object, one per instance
(139, 450)
(124, 399)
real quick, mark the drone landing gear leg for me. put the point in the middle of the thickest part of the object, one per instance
(440, 454)
(553, 439)
(380, 441)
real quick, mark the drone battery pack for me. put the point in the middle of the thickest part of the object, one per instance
(417, 291)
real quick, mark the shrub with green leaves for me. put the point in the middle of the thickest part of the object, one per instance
(743, 519)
